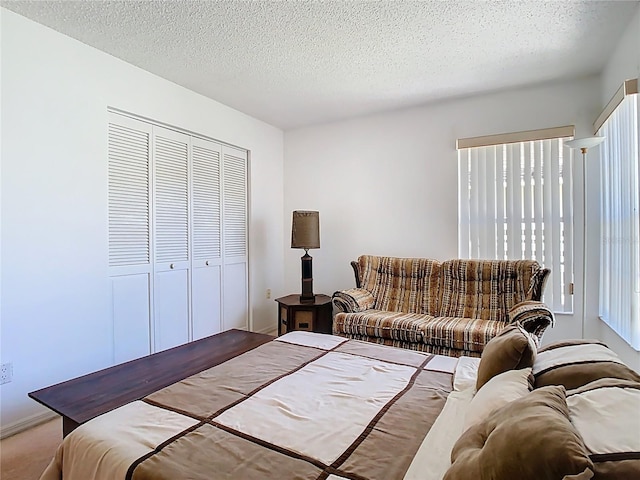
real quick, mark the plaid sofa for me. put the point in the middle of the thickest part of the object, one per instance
(452, 308)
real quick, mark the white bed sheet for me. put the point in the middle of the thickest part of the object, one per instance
(433, 458)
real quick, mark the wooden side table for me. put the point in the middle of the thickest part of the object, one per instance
(312, 317)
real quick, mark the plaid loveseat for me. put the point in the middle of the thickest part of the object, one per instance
(452, 308)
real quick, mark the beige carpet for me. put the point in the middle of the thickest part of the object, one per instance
(24, 456)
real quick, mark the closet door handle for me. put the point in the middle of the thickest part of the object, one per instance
(171, 266)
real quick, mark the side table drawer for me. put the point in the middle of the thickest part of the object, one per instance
(303, 320)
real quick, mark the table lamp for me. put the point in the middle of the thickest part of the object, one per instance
(305, 233)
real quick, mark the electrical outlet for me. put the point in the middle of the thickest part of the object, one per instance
(6, 373)
(268, 293)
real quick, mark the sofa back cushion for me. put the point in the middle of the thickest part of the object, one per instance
(401, 284)
(485, 289)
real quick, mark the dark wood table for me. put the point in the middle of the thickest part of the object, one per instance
(315, 316)
(83, 398)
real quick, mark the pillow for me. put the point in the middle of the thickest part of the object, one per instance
(496, 393)
(466, 373)
(576, 363)
(512, 349)
(529, 439)
(569, 343)
(606, 414)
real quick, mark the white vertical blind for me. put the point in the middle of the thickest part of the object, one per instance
(515, 203)
(527, 212)
(620, 229)
(128, 196)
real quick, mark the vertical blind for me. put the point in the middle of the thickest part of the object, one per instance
(620, 231)
(515, 202)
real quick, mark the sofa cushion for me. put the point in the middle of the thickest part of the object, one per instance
(417, 346)
(528, 439)
(401, 284)
(576, 363)
(382, 324)
(484, 289)
(512, 349)
(460, 333)
(606, 414)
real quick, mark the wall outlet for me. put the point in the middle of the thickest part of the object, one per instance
(268, 293)
(6, 373)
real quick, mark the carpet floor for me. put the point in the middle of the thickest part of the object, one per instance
(25, 455)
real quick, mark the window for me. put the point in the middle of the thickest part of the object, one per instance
(514, 202)
(620, 231)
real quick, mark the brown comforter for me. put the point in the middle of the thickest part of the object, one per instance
(305, 406)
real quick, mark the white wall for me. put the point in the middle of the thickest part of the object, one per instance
(623, 64)
(54, 301)
(387, 184)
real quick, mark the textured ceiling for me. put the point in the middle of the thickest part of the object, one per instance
(296, 63)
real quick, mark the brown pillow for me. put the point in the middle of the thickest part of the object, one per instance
(576, 363)
(528, 439)
(512, 349)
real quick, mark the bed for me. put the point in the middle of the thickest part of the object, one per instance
(316, 406)
(303, 406)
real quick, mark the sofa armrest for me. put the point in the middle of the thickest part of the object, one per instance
(533, 316)
(352, 300)
(538, 282)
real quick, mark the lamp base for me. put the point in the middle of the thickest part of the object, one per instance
(307, 279)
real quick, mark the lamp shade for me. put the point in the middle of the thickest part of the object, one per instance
(305, 229)
(586, 142)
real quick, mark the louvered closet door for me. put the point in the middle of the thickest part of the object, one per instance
(206, 221)
(171, 237)
(129, 236)
(235, 272)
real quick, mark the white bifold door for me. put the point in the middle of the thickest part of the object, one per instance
(177, 237)
(206, 274)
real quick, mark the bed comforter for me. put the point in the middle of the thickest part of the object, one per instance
(304, 406)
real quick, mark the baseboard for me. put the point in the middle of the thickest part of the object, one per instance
(26, 423)
(269, 331)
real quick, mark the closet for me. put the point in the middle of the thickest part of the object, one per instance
(177, 236)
